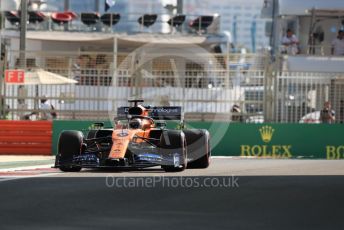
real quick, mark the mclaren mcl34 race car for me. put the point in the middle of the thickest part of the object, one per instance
(139, 139)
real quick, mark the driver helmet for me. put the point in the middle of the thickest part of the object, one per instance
(135, 123)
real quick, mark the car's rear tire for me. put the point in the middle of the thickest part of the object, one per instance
(172, 142)
(69, 145)
(198, 147)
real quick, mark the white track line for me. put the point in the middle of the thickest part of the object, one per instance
(20, 169)
(9, 178)
(26, 168)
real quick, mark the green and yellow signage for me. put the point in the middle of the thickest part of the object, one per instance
(319, 141)
(265, 149)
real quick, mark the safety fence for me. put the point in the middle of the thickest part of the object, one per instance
(237, 87)
(300, 96)
(206, 85)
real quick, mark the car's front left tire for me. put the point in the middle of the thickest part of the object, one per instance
(69, 145)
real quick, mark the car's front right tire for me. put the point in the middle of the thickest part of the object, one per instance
(198, 147)
(173, 143)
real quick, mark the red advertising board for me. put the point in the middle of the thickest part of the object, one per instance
(14, 76)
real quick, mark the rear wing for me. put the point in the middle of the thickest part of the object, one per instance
(157, 113)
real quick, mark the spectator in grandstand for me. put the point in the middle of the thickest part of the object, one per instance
(338, 44)
(102, 64)
(84, 60)
(82, 69)
(290, 43)
(92, 63)
(101, 59)
(327, 115)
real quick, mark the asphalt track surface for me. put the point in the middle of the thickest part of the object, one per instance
(245, 194)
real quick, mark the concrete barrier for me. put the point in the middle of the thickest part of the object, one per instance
(25, 137)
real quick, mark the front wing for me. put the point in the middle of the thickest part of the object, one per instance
(138, 159)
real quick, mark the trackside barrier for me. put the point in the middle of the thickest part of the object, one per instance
(278, 141)
(25, 137)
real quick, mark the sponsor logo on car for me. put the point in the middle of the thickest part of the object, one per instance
(176, 160)
(149, 156)
(122, 134)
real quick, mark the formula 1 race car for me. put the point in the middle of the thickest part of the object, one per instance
(139, 139)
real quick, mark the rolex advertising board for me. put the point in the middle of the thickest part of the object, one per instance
(284, 141)
(319, 141)
(266, 149)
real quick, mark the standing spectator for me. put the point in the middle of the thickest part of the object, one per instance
(341, 112)
(22, 106)
(4, 108)
(338, 44)
(327, 115)
(291, 43)
(47, 109)
(236, 113)
(76, 69)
